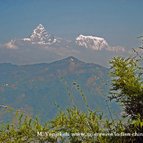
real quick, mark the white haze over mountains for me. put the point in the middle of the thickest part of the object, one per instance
(41, 46)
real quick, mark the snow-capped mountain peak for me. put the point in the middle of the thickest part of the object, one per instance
(40, 26)
(40, 36)
(96, 43)
(39, 32)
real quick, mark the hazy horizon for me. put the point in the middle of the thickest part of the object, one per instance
(118, 22)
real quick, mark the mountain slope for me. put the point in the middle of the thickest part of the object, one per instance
(37, 88)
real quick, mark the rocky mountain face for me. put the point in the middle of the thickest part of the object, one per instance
(40, 36)
(96, 43)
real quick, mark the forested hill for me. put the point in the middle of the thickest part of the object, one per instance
(39, 89)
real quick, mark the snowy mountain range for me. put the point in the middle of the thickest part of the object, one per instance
(41, 46)
(41, 37)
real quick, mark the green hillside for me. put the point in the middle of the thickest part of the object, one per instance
(38, 89)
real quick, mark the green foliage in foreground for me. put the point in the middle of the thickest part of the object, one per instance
(127, 86)
(73, 121)
(127, 90)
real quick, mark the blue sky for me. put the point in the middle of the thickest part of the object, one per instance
(120, 22)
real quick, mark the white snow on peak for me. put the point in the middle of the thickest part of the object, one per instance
(40, 26)
(40, 36)
(96, 43)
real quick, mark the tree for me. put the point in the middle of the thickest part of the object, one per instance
(127, 86)
(127, 89)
